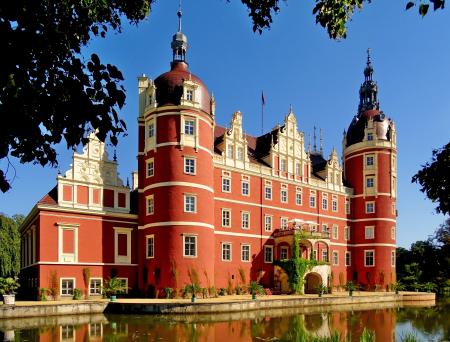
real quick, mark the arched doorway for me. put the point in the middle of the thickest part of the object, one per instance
(312, 280)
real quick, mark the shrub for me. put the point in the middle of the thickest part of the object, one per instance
(8, 286)
(53, 285)
(77, 294)
(169, 292)
(43, 294)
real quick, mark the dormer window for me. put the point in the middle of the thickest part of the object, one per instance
(369, 136)
(151, 130)
(190, 95)
(189, 126)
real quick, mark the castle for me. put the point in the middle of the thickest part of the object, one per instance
(216, 202)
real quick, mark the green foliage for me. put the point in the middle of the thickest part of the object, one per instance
(10, 245)
(350, 287)
(434, 179)
(409, 337)
(8, 286)
(367, 336)
(43, 294)
(77, 294)
(297, 267)
(169, 292)
(321, 289)
(256, 288)
(113, 286)
(53, 284)
(193, 289)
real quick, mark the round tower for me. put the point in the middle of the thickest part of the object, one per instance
(176, 200)
(370, 155)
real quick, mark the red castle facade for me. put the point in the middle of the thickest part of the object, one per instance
(217, 202)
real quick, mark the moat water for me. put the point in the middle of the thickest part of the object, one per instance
(389, 322)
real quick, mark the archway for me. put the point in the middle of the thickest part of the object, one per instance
(312, 280)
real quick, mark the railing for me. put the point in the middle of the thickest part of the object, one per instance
(308, 234)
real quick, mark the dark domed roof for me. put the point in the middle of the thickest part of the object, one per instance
(355, 132)
(169, 87)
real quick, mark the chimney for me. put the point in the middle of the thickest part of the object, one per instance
(134, 180)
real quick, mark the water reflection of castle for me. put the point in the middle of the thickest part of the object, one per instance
(219, 201)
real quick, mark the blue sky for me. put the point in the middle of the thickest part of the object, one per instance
(294, 63)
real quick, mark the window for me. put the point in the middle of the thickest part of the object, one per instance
(189, 127)
(150, 168)
(369, 136)
(226, 251)
(190, 203)
(189, 166)
(370, 207)
(150, 205)
(95, 286)
(298, 197)
(347, 233)
(151, 130)
(347, 206)
(123, 284)
(226, 217)
(348, 259)
(190, 245)
(369, 258)
(335, 258)
(67, 286)
(325, 255)
(268, 254)
(284, 253)
(245, 188)
(230, 150)
(393, 233)
(226, 184)
(312, 198)
(325, 230)
(325, 202)
(393, 258)
(245, 218)
(283, 164)
(268, 223)
(297, 169)
(284, 196)
(67, 244)
(189, 95)
(334, 203)
(268, 192)
(284, 223)
(67, 333)
(245, 252)
(370, 232)
(150, 246)
(314, 255)
(240, 153)
(335, 232)
(370, 160)
(122, 245)
(369, 182)
(394, 212)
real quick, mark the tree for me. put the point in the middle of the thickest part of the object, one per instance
(10, 245)
(434, 179)
(50, 93)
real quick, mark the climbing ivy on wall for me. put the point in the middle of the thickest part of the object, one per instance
(297, 267)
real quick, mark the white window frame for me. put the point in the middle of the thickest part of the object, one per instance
(240, 153)
(266, 248)
(73, 279)
(189, 126)
(283, 165)
(349, 259)
(268, 192)
(249, 252)
(298, 197)
(283, 195)
(368, 158)
(369, 232)
(149, 162)
(125, 280)
(297, 169)
(334, 203)
(312, 199)
(284, 223)
(226, 217)
(325, 256)
(92, 288)
(347, 206)
(190, 169)
(370, 182)
(393, 258)
(226, 184)
(151, 131)
(248, 188)
(62, 257)
(195, 245)
(335, 258)
(367, 204)
(366, 251)
(282, 249)
(150, 210)
(243, 221)
(324, 201)
(335, 231)
(147, 239)
(230, 151)
(347, 233)
(189, 210)
(369, 136)
(229, 251)
(190, 95)
(268, 225)
(122, 259)
(393, 233)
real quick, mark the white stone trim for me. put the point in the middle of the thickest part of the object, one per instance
(148, 237)
(67, 257)
(187, 184)
(122, 259)
(60, 285)
(375, 244)
(249, 252)
(86, 211)
(220, 232)
(78, 264)
(369, 250)
(176, 223)
(89, 286)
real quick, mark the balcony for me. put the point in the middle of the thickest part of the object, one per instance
(304, 232)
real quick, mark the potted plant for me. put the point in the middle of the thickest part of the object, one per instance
(255, 288)
(397, 287)
(193, 289)
(8, 286)
(113, 286)
(321, 289)
(350, 287)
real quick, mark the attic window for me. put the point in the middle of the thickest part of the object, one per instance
(190, 95)
(369, 136)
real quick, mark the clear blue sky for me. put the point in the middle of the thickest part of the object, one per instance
(294, 63)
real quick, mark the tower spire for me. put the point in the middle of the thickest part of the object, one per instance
(179, 40)
(321, 141)
(369, 90)
(315, 140)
